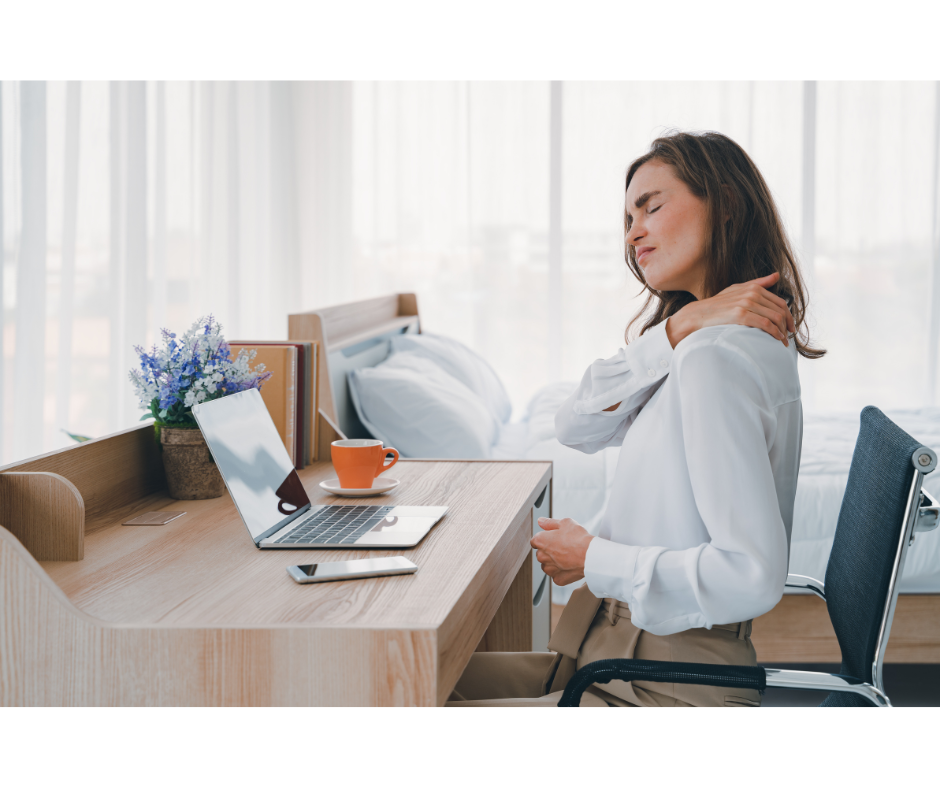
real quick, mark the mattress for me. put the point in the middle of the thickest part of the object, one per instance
(828, 443)
(582, 482)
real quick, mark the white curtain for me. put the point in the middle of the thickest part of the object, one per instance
(876, 256)
(452, 198)
(125, 207)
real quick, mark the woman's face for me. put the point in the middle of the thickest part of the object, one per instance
(668, 226)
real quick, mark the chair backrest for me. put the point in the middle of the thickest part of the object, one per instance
(870, 526)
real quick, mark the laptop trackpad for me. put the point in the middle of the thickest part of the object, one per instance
(392, 530)
(400, 525)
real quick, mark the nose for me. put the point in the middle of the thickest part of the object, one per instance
(635, 233)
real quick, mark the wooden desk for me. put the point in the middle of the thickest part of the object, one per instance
(192, 613)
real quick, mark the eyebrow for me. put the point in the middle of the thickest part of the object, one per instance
(642, 199)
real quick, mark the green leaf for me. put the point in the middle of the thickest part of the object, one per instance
(74, 437)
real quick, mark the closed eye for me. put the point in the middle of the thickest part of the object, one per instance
(649, 211)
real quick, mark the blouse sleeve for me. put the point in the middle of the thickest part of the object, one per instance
(728, 427)
(630, 377)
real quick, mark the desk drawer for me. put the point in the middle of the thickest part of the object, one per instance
(542, 615)
(542, 508)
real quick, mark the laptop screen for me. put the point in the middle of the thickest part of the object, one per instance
(254, 463)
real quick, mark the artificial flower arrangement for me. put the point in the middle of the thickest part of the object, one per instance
(196, 368)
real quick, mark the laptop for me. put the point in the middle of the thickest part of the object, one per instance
(272, 501)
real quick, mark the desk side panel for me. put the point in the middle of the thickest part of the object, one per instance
(511, 627)
(477, 607)
(45, 512)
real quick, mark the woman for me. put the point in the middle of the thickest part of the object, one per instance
(694, 543)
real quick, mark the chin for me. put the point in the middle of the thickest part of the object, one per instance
(663, 285)
(656, 284)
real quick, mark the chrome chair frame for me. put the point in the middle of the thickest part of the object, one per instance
(921, 514)
(917, 519)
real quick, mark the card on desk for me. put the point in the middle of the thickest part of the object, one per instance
(154, 518)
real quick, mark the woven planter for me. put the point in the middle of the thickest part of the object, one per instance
(191, 472)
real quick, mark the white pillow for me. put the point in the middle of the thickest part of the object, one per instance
(540, 415)
(410, 403)
(461, 362)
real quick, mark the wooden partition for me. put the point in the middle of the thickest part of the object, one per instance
(52, 502)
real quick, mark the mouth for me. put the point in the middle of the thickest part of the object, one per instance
(643, 252)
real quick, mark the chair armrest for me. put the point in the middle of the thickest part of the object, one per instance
(827, 682)
(750, 677)
(808, 584)
(605, 670)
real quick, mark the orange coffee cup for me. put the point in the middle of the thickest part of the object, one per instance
(357, 462)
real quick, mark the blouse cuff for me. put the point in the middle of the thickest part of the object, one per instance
(647, 360)
(653, 354)
(609, 569)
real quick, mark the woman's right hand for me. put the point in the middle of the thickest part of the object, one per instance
(745, 304)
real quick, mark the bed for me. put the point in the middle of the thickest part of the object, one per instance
(363, 335)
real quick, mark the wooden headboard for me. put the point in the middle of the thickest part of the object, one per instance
(350, 336)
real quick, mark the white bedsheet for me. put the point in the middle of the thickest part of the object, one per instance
(828, 443)
(581, 482)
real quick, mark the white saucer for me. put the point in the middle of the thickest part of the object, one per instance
(379, 486)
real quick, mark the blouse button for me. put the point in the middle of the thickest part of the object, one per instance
(663, 363)
(652, 373)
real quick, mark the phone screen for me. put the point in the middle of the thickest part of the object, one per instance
(343, 570)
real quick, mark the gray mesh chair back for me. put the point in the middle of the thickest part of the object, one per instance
(864, 552)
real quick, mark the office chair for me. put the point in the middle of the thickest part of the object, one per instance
(883, 508)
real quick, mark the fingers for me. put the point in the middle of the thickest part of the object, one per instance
(776, 300)
(756, 320)
(549, 524)
(778, 321)
(770, 279)
(759, 316)
(779, 305)
(562, 577)
(752, 304)
(776, 303)
(770, 306)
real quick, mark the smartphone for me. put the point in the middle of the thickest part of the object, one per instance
(347, 570)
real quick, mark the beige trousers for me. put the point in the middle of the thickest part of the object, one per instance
(591, 629)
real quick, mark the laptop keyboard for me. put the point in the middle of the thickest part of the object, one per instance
(336, 525)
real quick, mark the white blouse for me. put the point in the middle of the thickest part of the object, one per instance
(697, 529)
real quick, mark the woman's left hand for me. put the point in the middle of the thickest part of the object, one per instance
(561, 549)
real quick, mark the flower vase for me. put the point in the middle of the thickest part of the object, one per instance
(191, 473)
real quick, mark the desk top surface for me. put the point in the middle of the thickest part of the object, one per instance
(203, 569)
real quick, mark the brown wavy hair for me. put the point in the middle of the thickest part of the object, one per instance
(752, 243)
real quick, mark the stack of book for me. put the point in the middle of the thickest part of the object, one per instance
(290, 392)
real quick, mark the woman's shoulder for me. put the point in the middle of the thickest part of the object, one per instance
(753, 348)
